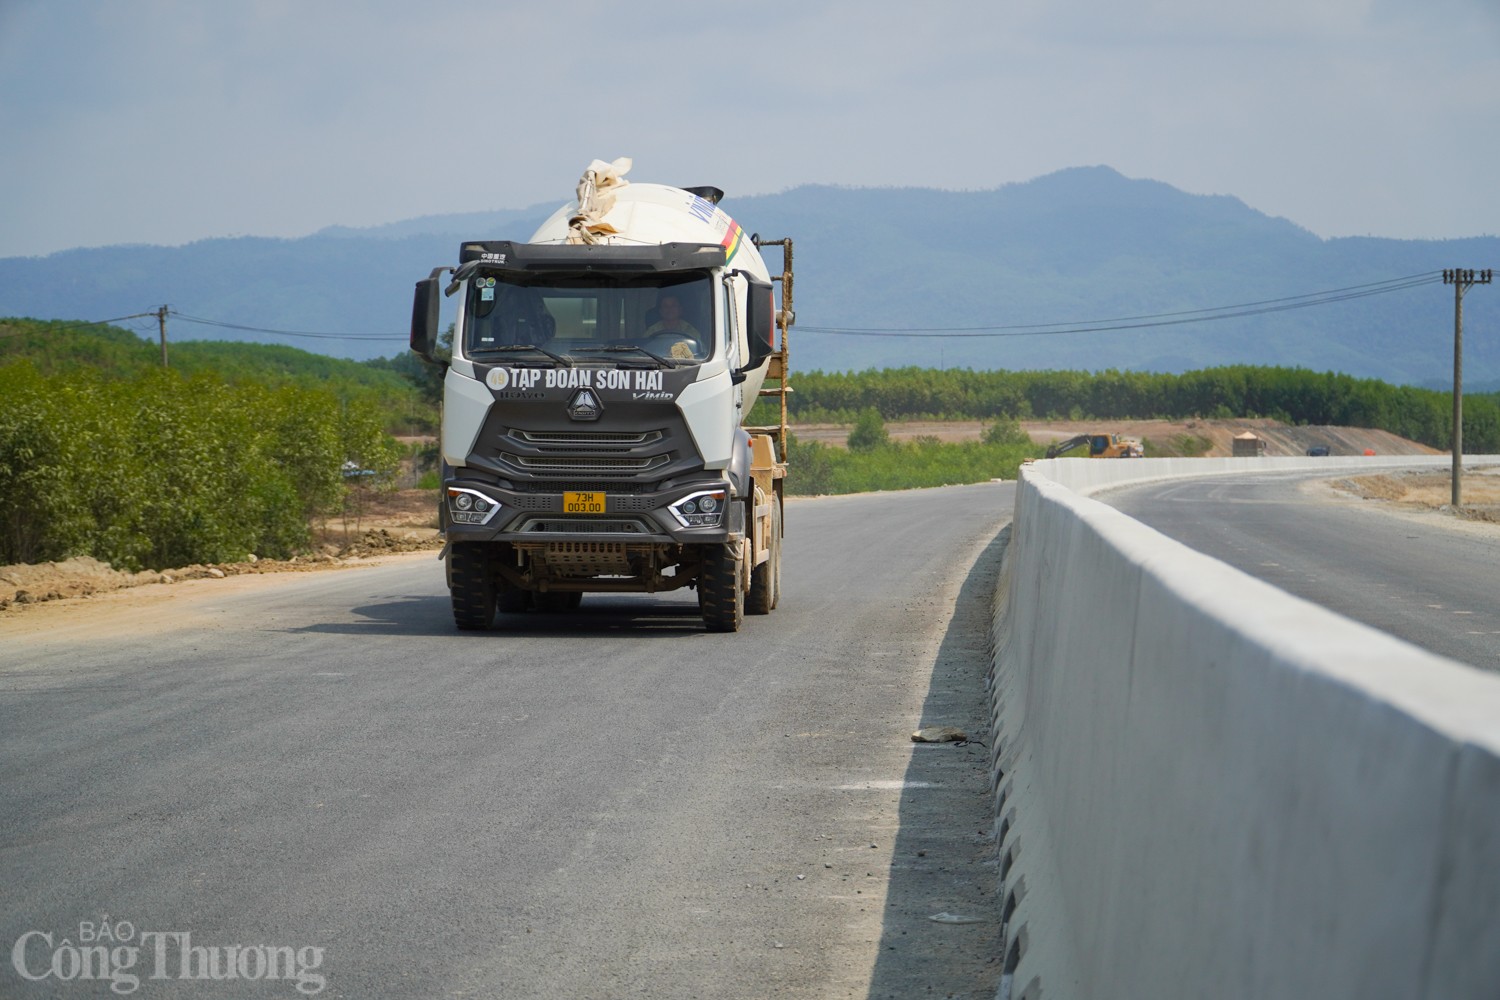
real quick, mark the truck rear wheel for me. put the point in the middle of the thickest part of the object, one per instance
(720, 597)
(765, 579)
(471, 584)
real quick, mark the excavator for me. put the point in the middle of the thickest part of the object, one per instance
(1099, 446)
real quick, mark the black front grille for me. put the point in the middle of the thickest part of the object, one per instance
(618, 503)
(599, 465)
(536, 449)
(572, 486)
(551, 441)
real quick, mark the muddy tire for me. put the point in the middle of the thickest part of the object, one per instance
(719, 595)
(471, 584)
(765, 579)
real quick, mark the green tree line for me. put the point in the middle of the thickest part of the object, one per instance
(399, 389)
(1293, 395)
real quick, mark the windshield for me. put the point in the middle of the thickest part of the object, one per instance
(655, 319)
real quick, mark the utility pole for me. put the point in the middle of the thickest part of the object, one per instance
(1461, 280)
(161, 321)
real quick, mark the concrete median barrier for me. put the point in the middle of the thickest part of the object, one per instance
(1209, 788)
(1090, 475)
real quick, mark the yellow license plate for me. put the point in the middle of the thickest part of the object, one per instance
(583, 503)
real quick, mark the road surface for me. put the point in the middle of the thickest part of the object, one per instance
(1427, 579)
(319, 771)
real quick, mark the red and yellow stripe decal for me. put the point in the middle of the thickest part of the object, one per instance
(731, 240)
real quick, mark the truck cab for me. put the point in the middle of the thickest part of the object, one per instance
(592, 436)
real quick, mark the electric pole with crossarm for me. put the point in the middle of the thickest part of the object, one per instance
(1461, 280)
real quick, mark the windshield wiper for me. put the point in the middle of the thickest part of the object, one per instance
(561, 359)
(664, 362)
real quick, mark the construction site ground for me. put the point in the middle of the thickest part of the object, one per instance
(1169, 437)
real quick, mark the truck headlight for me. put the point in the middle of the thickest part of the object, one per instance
(466, 506)
(700, 510)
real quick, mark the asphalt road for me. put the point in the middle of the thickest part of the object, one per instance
(609, 803)
(1425, 579)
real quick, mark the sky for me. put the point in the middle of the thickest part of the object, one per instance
(169, 121)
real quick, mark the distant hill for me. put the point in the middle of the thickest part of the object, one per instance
(1083, 244)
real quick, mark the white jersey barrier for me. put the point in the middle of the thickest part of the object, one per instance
(1086, 475)
(1209, 788)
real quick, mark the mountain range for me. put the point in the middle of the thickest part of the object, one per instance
(1084, 247)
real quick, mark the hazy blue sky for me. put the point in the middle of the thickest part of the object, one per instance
(166, 121)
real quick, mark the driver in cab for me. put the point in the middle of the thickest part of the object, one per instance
(672, 325)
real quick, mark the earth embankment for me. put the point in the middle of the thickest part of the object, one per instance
(1209, 438)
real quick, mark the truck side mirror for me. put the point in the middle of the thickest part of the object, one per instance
(424, 315)
(760, 322)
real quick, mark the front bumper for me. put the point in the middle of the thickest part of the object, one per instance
(628, 516)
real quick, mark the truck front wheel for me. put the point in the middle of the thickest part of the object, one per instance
(471, 584)
(720, 597)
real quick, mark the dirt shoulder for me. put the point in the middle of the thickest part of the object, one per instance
(389, 524)
(1428, 494)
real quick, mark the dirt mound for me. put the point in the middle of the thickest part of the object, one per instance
(1188, 437)
(31, 584)
(401, 521)
(381, 542)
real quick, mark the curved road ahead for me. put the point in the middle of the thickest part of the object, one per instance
(1426, 579)
(607, 803)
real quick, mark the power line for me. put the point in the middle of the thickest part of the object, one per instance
(311, 334)
(82, 323)
(1149, 321)
(1141, 322)
(1414, 279)
(85, 324)
(160, 314)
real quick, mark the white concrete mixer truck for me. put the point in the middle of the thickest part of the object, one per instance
(593, 436)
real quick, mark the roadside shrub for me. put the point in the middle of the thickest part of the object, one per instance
(869, 431)
(158, 470)
(817, 469)
(1006, 431)
(43, 475)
